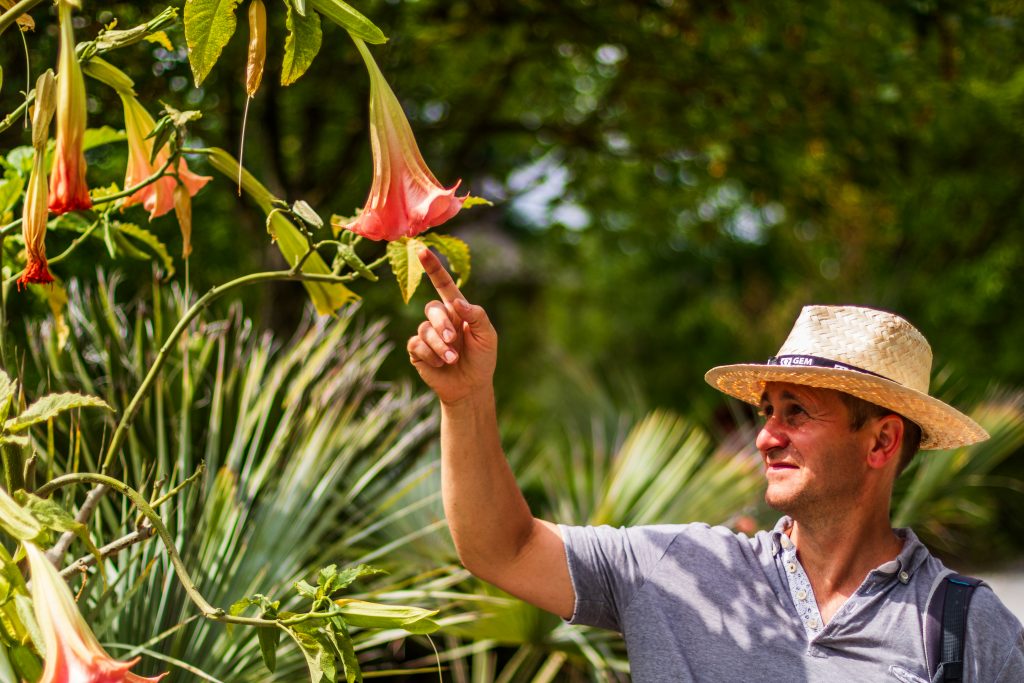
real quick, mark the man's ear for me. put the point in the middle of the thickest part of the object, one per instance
(887, 438)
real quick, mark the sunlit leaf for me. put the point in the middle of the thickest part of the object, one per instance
(209, 25)
(376, 615)
(405, 264)
(346, 16)
(453, 249)
(302, 44)
(51, 406)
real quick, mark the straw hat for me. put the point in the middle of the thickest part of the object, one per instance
(870, 354)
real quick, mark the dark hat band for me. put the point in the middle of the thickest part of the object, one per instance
(818, 362)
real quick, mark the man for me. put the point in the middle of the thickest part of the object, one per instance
(831, 594)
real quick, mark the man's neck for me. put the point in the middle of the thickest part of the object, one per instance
(838, 552)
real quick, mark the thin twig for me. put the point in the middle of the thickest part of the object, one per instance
(12, 15)
(93, 499)
(143, 533)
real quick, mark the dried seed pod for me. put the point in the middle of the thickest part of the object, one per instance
(257, 46)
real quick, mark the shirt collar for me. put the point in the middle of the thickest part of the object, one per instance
(902, 568)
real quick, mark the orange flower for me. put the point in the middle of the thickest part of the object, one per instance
(405, 198)
(34, 212)
(68, 189)
(73, 655)
(158, 197)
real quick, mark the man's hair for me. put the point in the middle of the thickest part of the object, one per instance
(861, 411)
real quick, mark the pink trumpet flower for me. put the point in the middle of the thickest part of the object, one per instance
(157, 197)
(73, 655)
(68, 189)
(405, 198)
(34, 212)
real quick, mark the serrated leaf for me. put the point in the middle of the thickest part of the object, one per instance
(327, 296)
(304, 211)
(160, 38)
(302, 44)
(405, 264)
(10, 192)
(376, 615)
(305, 589)
(453, 249)
(345, 577)
(181, 118)
(209, 25)
(346, 16)
(49, 407)
(150, 240)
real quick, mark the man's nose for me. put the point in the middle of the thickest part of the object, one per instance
(771, 436)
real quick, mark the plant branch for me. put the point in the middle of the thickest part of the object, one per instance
(143, 533)
(202, 303)
(18, 111)
(208, 610)
(93, 499)
(11, 15)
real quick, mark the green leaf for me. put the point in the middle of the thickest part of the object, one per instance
(320, 660)
(95, 137)
(470, 201)
(8, 387)
(453, 249)
(53, 516)
(17, 521)
(375, 615)
(346, 16)
(49, 407)
(405, 264)
(19, 441)
(348, 255)
(209, 25)
(269, 638)
(181, 118)
(150, 240)
(10, 192)
(344, 578)
(302, 44)
(307, 214)
(305, 589)
(327, 296)
(342, 640)
(26, 663)
(20, 159)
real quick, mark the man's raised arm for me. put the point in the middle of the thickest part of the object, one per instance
(497, 537)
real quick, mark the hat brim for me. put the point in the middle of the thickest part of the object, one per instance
(942, 426)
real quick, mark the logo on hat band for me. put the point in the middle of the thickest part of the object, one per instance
(818, 362)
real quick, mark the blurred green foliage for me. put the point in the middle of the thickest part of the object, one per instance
(674, 179)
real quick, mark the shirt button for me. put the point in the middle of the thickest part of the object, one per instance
(786, 543)
(801, 594)
(791, 567)
(904, 577)
(812, 623)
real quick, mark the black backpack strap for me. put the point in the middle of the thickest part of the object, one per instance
(946, 626)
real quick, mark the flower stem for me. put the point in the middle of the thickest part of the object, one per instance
(11, 15)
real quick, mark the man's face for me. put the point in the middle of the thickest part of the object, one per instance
(814, 463)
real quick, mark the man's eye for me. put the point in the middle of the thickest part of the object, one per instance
(765, 412)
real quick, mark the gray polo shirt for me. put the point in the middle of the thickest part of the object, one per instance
(701, 603)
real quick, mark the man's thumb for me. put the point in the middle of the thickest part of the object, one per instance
(474, 315)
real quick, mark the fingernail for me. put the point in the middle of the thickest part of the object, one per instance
(448, 335)
(450, 356)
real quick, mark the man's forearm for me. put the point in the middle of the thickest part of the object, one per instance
(487, 514)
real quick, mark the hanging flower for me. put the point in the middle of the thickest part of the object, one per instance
(34, 213)
(73, 654)
(158, 197)
(68, 189)
(405, 198)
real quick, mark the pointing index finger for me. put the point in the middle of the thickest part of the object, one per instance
(439, 277)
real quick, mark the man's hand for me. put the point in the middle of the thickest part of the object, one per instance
(455, 349)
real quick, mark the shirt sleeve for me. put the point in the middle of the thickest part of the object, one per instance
(995, 641)
(608, 566)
